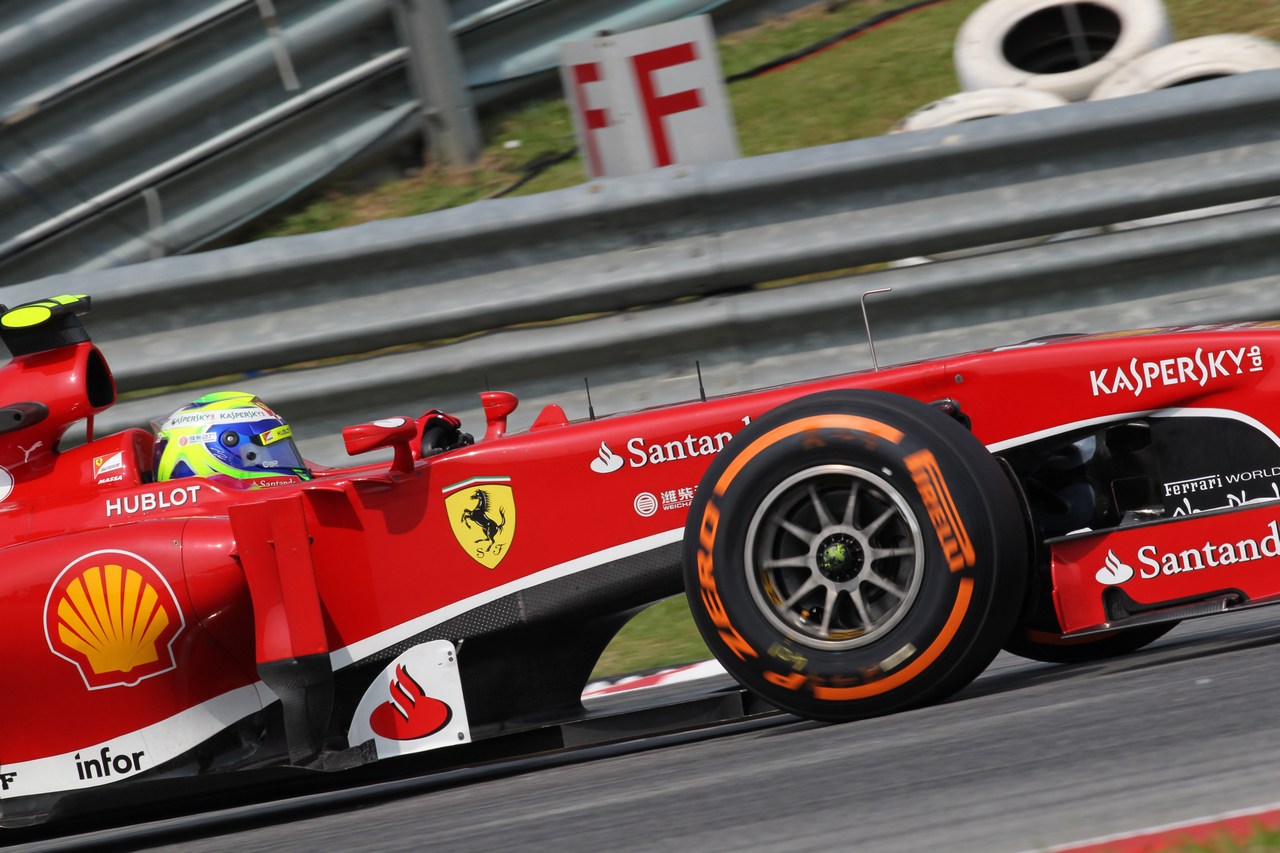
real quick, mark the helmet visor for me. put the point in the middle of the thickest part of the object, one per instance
(281, 455)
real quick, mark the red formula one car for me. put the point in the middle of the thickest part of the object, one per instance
(850, 546)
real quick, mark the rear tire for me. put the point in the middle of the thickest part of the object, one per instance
(853, 553)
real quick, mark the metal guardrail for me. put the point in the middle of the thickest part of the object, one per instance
(187, 106)
(467, 276)
(131, 129)
(614, 244)
(509, 43)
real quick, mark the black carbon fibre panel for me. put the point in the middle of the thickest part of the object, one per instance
(630, 582)
(529, 654)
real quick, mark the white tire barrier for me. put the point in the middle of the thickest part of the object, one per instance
(970, 106)
(1190, 61)
(1066, 48)
(1179, 64)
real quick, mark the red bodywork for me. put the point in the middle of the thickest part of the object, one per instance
(180, 627)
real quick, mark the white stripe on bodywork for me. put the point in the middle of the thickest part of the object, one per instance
(1226, 414)
(169, 738)
(159, 742)
(376, 643)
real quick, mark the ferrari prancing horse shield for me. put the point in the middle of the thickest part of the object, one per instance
(482, 513)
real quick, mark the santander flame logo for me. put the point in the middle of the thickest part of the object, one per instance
(410, 713)
(1114, 572)
(607, 462)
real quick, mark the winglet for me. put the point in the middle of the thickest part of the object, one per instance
(44, 325)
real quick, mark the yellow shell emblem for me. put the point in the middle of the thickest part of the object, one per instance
(482, 513)
(114, 616)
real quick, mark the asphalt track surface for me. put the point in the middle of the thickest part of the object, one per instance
(1029, 757)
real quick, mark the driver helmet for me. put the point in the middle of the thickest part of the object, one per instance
(228, 436)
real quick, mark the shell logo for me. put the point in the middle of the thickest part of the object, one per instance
(114, 616)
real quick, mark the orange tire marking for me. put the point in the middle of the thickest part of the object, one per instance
(791, 682)
(917, 666)
(711, 603)
(933, 489)
(856, 422)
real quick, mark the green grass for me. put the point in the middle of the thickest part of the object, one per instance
(856, 89)
(660, 636)
(1261, 840)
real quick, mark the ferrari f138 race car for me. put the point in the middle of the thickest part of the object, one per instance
(850, 546)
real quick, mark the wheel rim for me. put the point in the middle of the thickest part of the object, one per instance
(834, 557)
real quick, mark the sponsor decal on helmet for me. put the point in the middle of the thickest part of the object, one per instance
(115, 617)
(209, 417)
(279, 433)
(1199, 368)
(482, 514)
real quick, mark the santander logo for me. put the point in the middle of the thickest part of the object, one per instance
(414, 704)
(1155, 563)
(410, 713)
(1114, 572)
(607, 461)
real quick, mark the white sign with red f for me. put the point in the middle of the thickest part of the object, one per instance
(648, 98)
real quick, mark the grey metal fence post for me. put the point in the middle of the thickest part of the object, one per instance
(435, 71)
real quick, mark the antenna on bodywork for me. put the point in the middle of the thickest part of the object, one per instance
(702, 391)
(591, 412)
(875, 364)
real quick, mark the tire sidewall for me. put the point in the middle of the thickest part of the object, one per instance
(980, 60)
(1220, 55)
(933, 645)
